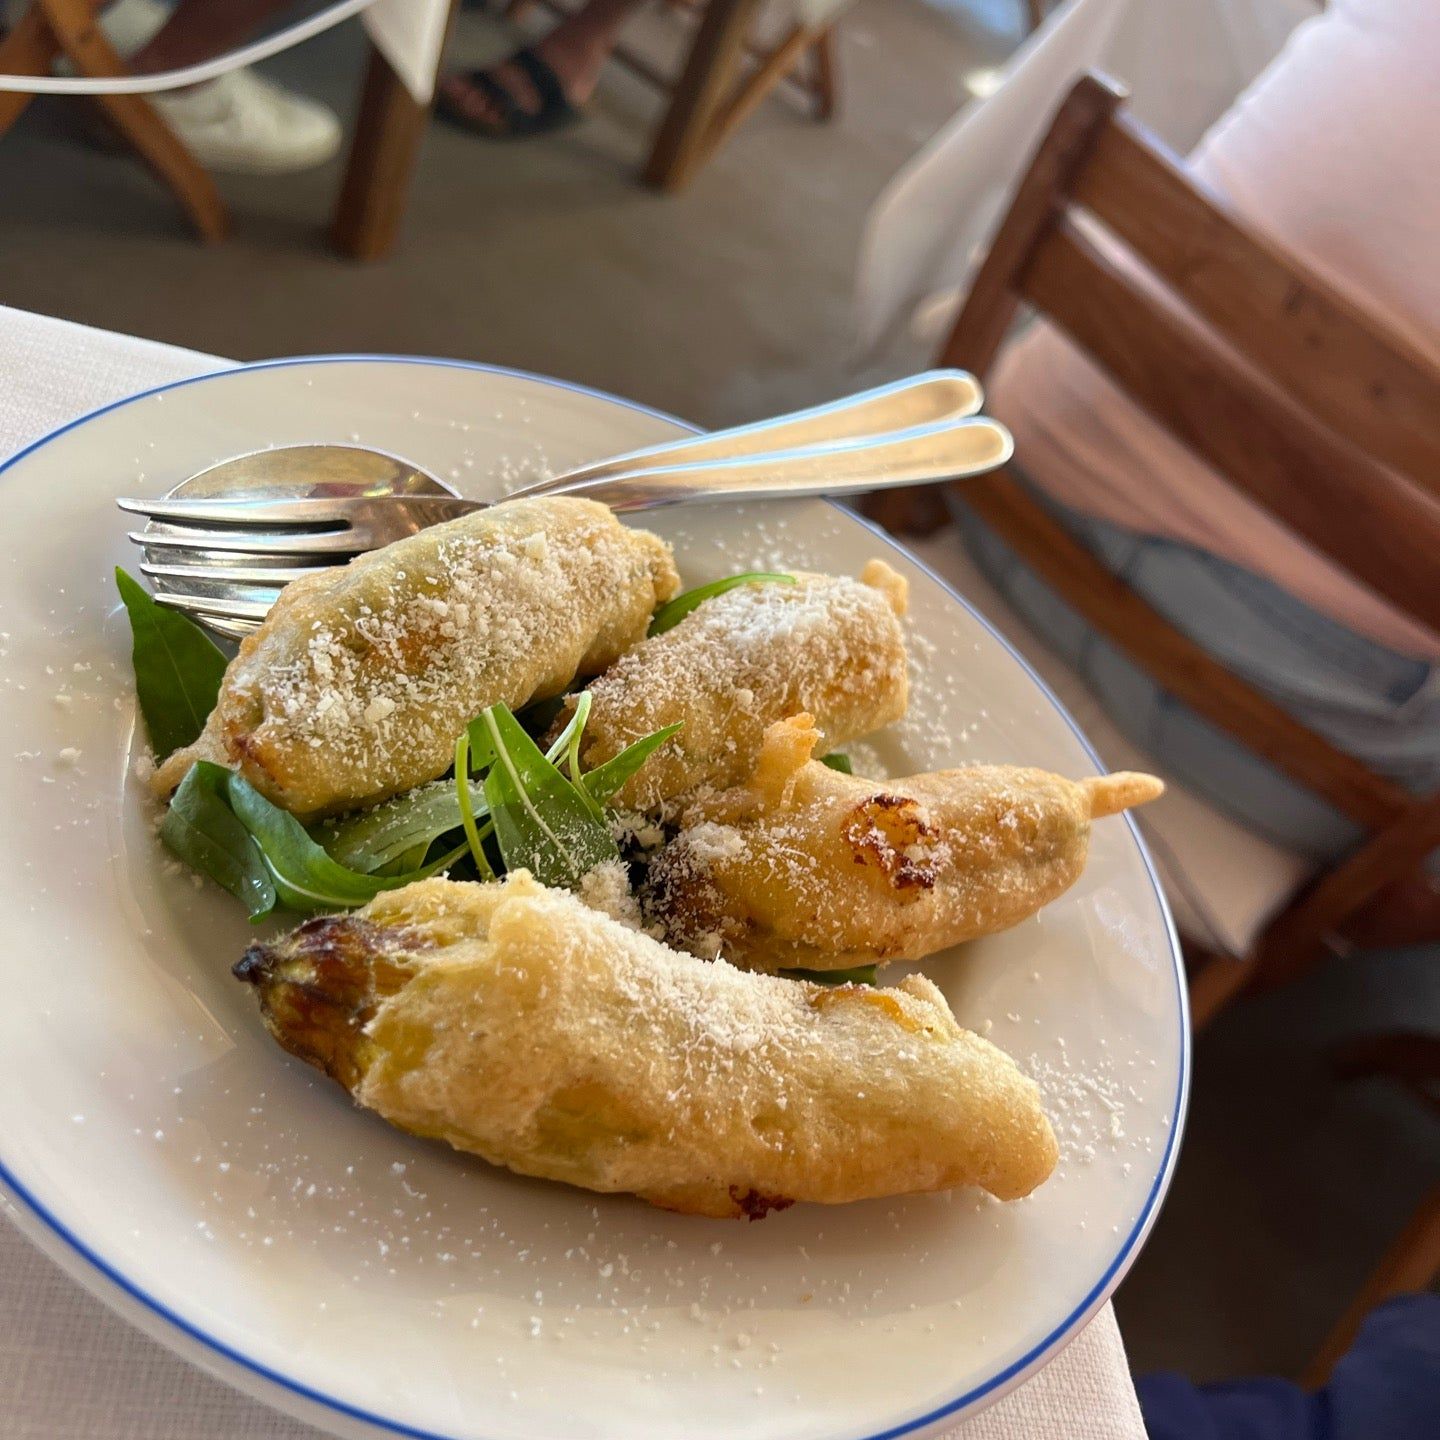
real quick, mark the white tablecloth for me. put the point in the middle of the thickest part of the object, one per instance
(411, 33)
(71, 1370)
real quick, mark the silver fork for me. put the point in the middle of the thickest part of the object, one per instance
(225, 557)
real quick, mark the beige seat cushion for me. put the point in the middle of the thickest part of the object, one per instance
(1222, 881)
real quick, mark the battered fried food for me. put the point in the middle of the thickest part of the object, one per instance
(811, 869)
(743, 659)
(515, 1023)
(357, 684)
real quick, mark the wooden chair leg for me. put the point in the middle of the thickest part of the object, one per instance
(917, 511)
(680, 146)
(1410, 1264)
(27, 50)
(74, 25)
(825, 74)
(376, 186)
(760, 83)
(1215, 980)
(1410, 1056)
(1296, 940)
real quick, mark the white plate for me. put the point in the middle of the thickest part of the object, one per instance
(237, 1206)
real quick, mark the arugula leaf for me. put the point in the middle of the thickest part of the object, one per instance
(178, 668)
(467, 808)
(383, 834)
(604, 780)
(306, 879)
(220, 824)
(567, 744)
(837, 760)
(542, 823)
(860, 975)
(672, 613)
(202, 830)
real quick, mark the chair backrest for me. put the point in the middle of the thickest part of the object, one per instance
(1291, 393)
(1283, 386)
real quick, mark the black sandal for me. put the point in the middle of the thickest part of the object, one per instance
(516, 123)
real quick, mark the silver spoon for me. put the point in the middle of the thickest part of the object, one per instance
(221, 544)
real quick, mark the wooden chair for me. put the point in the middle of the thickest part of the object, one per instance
(50, 28)
(1298, 399)
(708, 102)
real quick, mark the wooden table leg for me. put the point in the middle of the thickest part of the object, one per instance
(683, 141)
(377, 179)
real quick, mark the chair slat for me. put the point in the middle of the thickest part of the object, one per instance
(1371, 387)
(1176, 661)
(1296, 936)
(1376, 525)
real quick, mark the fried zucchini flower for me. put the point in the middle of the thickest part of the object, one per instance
(357, 683)
(808, 868)
(513, 1022)
(744, 659)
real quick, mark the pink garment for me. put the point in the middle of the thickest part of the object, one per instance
(1335, 153)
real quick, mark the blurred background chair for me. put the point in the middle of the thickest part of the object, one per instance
(728, 73)
(406, 41)
(1316, 411)
(52, 29)
(1412, 1263)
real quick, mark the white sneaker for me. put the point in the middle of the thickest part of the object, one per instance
(130, 23)
(241, 122)
(248, 125)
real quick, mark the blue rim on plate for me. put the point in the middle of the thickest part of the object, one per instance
(993, 1388)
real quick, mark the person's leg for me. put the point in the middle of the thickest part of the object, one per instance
(575, 51)
(200, 29)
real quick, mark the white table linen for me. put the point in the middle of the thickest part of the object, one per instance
(72, 1370)
(410, 34)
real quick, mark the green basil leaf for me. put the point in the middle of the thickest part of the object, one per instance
(860, 975)
(542, 823)
(604, 780)
(838, 761)
(178, 669)
(202, 830)
(306, 879)
(671, 614)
